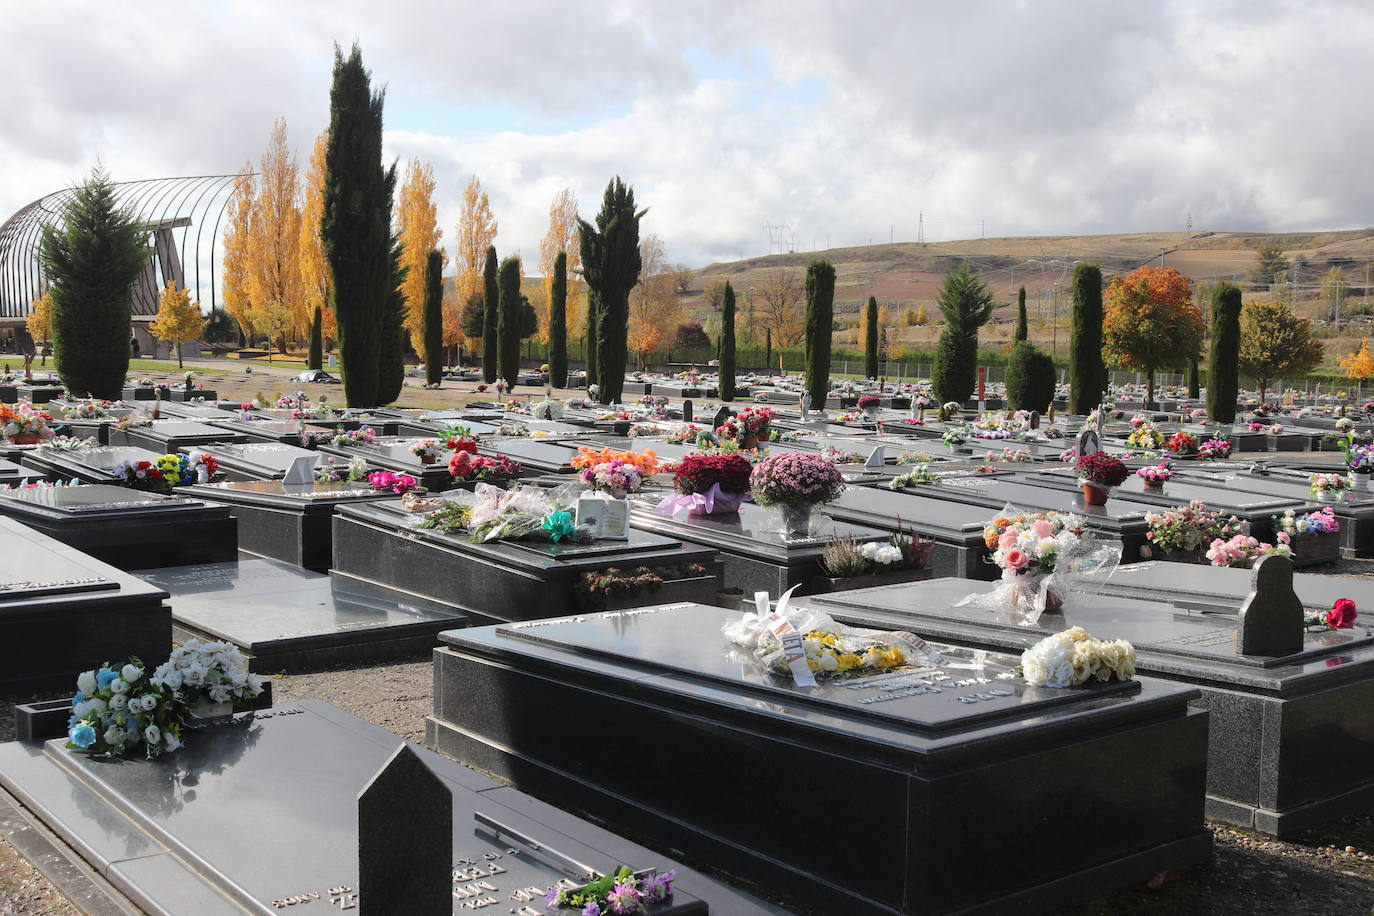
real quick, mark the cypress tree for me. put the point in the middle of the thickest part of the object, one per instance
(1030, 377)
(356, 225)
(593, 310)
(820, 324)
(871, 339)
(1194, 382)
(610, 265)
(966, 306)
(1022, 325)
(558, 322)
(315, 360)
(391, 369)
(491, 307)
(434, 317)
(508, 321)
(91, 258)
(1087, 371)
(727, 344)
(1223, 372)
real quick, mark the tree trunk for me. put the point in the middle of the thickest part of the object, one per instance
(1149, 389)
(178, 349)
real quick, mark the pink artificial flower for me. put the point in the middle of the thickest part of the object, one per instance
(1008, 539)
(1042, 529)
(1017, 558)
(1342, 614)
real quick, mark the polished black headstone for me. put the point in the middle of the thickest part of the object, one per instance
(1271, 618)
(687, 411)
(721, 416)
(406, 799)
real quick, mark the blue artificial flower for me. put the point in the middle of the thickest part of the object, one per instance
(77, 699)
(82, 735)
(104, 676)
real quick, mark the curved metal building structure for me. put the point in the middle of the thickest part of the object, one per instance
(182, 216)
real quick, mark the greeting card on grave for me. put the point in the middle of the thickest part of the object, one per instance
(608, 517)
(302, 470)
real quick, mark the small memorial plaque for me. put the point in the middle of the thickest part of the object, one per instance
(93, 498)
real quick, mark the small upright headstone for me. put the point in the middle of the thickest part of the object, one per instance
(876, 461)
(405, 840)
(1035, 419)
(1271, 617)
(1088, 443)
(687, 411)
(721, 416)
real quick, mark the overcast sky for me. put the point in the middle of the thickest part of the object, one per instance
(839, 120)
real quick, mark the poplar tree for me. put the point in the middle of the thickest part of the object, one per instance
(434, 317)
(727, 344)
(91, 255)
(508, 321)
(871, 339)
(558, 322)
(490, 307)
(356, 225)
(610, 265)
(820, 324)
(1087, 369)
(1022, 325)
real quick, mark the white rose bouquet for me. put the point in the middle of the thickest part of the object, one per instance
(1073, 657)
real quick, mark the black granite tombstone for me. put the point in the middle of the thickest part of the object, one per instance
(933, 758)
(127, 528)
(173, 836)
(405, 798)
(1290, 741)
(62, 612)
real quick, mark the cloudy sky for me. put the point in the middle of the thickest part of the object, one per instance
(840, 120)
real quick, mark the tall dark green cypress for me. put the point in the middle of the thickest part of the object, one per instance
(1022, 325)
(966, 306)
(356, 226)
(491, 308)
(1087, 371)
(558, 322)
(871, 339)
(820, 324)
(1223, 357)
(610, 265)
(1194, 381)
(593, 310)
(434, 317)
(91, 258)
(391, 369)
(315, 359)
(508, 321)
(727, 344)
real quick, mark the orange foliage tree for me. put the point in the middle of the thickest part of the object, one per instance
(476, 232)
(562, 236)
(654, 310)
(315, 278)
(274, 277)
(418, 228)
(238, 300)
(1151, 322)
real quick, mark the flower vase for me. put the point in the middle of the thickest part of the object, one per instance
(794, 520)
(208, 712)
(871, 414)
(1154, 486)
(1094, 495)
(749, 441)
(428, 459)
(26, 439)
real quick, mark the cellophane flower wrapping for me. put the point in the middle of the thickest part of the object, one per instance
(499, 514)
(831, 648)
(1065, 562)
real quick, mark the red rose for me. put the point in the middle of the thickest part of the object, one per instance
(1342, 614)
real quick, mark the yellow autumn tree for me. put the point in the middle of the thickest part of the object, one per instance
(178, 318)
(418, 228)
(274, 275)
(39, 324)
(316, 281)
(654, 311)
(238, 298)
(563, 236)
(1358, 365)
(476, 232)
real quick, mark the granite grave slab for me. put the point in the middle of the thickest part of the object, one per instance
(167, 436)
(392, 453)
(949, 747)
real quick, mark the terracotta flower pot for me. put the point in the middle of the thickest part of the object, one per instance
(428, 459)
(749, 441)
(1154, 484)
(26, 439)
(1094, 495)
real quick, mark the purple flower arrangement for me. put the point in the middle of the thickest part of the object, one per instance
(797, 479)
(1214, 449)
(618, 894)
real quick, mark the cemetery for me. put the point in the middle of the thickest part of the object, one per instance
(405, 580)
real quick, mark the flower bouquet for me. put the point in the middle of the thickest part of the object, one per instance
(1342, 616)
(547, 410)
(209, 677)
(118, 708)
(616, 477)
(24, 424)
(1214, 449)
(1099, 472)
(427, 450)
(847, 559)
(1309, 524)
(920, 474)
(67, 444)
(1328, 485)
(1181, 444)
(708, 485)
(1242, 550)
(1072, 658)
(622, 892)
(955, 437)
(1145, 436)
(689, 432)
(869, 404)
(1187, 530)
(795, 483)
(1040, 554)
(157, 476)
(87, 409)
(1155, 475)
(948, 410)
(359, 436)
(468, 465)
(396, 483)
(524, 513)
